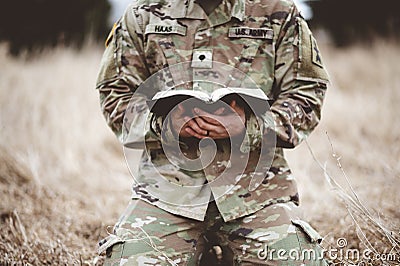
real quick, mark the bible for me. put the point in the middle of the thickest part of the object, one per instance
(253, 100)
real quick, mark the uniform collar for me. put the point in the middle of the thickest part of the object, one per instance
(190, 9)
(238, 9)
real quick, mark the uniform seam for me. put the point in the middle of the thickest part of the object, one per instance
(298, 240)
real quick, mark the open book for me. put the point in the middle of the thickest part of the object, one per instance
(254, 100)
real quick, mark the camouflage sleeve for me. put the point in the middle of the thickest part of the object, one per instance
(122, 70)
(162, 128)
(299, 87)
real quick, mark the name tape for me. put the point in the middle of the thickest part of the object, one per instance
(255, 33)
(165, 29)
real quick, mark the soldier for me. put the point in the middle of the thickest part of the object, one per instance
(270, 42)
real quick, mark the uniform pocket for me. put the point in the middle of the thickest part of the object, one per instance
(314, 236)
(107, 243)
(161, 50)
(256, 60)
(249, 52)
(161, 53)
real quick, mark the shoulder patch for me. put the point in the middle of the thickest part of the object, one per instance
(316, 55)
(310, 65)
(165, 29)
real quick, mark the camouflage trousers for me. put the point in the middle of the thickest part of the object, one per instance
(147, 235)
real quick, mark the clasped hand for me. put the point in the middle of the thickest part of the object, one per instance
(225, 122)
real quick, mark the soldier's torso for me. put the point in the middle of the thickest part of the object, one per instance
(229, 36)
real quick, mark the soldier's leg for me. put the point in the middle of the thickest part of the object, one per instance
(271, 236)
(147, 235)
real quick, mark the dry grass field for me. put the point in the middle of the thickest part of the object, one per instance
(64, 182)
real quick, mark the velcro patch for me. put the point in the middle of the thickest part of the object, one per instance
(316, 55)
(202, 58)
(254, 33)
(165, 29)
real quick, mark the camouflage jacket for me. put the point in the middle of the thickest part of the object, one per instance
(266, 39)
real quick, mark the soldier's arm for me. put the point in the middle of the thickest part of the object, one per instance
(299, 87)
(122, 70)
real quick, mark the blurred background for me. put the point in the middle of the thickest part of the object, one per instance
(34, 25)
(63, 177)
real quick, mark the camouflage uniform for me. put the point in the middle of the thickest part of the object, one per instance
(270, 42)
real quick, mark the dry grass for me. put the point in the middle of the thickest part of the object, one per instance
(63, 179)
(358, 142)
